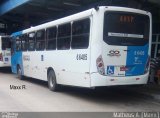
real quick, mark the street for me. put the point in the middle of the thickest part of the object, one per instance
(35, 96)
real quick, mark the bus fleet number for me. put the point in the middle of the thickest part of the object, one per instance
(139, 53)
(81, 57)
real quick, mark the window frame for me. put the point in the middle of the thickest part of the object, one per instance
(20, 49)
(54, 38)
(33, 41)
(64, 47)
(44, 40)
(25, 37)
(125, 40)
(5, 40)
(87, 18)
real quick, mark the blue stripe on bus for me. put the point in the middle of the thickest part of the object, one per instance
(136, 60)
(17, 60)
(17, 33)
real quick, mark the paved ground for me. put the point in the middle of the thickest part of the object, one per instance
(37, 97)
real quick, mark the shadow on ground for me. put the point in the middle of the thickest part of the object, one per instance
(6, 70)
(101, 95)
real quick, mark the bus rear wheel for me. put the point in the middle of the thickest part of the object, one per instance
(52, 84)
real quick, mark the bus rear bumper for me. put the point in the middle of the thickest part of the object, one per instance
(100, 80)
(2, 64)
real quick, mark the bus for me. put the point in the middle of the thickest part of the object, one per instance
(102, 46)
(5, 51)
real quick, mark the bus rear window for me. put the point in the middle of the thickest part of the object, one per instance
(6, 43)
(126, 29)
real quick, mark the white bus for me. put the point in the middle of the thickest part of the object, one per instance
(5, 51)
(98, 47)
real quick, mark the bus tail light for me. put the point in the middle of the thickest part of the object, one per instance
(1, 57)
(147, 65)
(100, 65)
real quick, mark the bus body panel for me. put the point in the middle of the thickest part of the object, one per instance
(137, 58)
(33, 64)
(5, 53)
(99, 80)
(96, 40)
(126, 56)
(6, 58)
(67, 68)
(70, 70)
(131, 60)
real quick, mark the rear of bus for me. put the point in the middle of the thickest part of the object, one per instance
(5, 51)
(125, 48)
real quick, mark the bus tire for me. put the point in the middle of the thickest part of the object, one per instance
(19, 73)
(52, 84)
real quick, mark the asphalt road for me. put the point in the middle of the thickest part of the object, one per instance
(36, 97)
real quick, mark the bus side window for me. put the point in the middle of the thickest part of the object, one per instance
(24, 42)
(31, 41)
(6, 44)
(64, 37)
(40, 40)
(13, 44)
(51, 38)
(80, 34)
(18, 43)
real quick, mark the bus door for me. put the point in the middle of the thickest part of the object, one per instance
(16, 56)
(125, 44)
